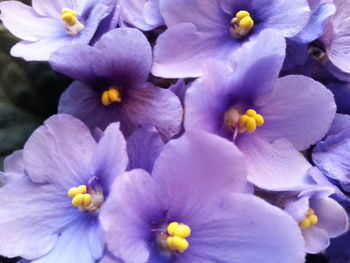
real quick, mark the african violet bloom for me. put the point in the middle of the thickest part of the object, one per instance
(143, 14)
(193, 209)
(319, 216)
(13, 167)
(332, 155)
(51, 214)
(112, 84)
(51, 24)
(215, 28)
(264, 115)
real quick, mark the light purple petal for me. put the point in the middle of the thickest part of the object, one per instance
(31, 217)
(60, 152)
(23, 22)
(134, 203)
(125, 55)
(53, 8)
(331, 216)
(111, 158)
(340, 123)
(14, 163)
(245, 229)
(297, 209)
(204, 167)
(40, 50)
(153, 106)
(144, 146)
(316, 240)
(73, 245)
(189, 49)
(274, 166)
(300, 110)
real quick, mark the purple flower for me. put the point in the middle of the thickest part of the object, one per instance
(143, 14)
(319, 217)
(112, 84)
(38, 220)
(13, 167)
(268, 118)
(193, 209)
(215, 28)
(331, 155)
(51, 24)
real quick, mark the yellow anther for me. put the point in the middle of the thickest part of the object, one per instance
(73, 191)
(67, 10)
(87, 200)
(177, 243)
(78, 200)
(259, 120)
(243, 120)
(241, 24)
(72, 24)
(172, 227)
(111, 95)
(309, 220)
(182, 231)
(250, 113)
(251, 124)
(83, 189)
(69, 18)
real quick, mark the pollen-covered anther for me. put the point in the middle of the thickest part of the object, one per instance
(177, 234)
(309, 220)
(111, 95)
(85, 201)
(249, 121)
(71, 22)
(241, 24)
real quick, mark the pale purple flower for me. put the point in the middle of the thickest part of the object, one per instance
(319, 216)
(119, 63)
(198, 30)
(51, 24)
(286, 115)
(199, 181)
(38, 220)
(143, 14)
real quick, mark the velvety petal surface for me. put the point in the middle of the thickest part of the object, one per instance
(274, 166)
(134, 203)
(60, 152)
(300, 110)
(144, 146)
(32, 216)
(204, 167)
(14, 163)
(54, 8)
(316, 240)
(242, 230)
(111, 158)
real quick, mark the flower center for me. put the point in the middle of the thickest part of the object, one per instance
(111, 95)
(241, 24)
(86, 199)
(174, 238)
(71, 22)
(309, 220)
(249, 121)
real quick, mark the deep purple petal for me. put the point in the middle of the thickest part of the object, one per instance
(111, 158)
(153, 106)
(135, 202)
(274, 166)
(244, 229)
(300, 110)
(31, 217)
(60, 152)
(204, 167)
(144, 146)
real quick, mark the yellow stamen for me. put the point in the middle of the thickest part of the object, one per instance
(111, 95)
(241, 24)
(85, 201)
(72, 24)
(177, 233)
(309, 220)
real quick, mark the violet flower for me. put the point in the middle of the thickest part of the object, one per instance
(193, 209)
(268, 118)
(112, 84)
(143, 14)
(215, 28)
(319, 217)
(51, 24)
(38, 220)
